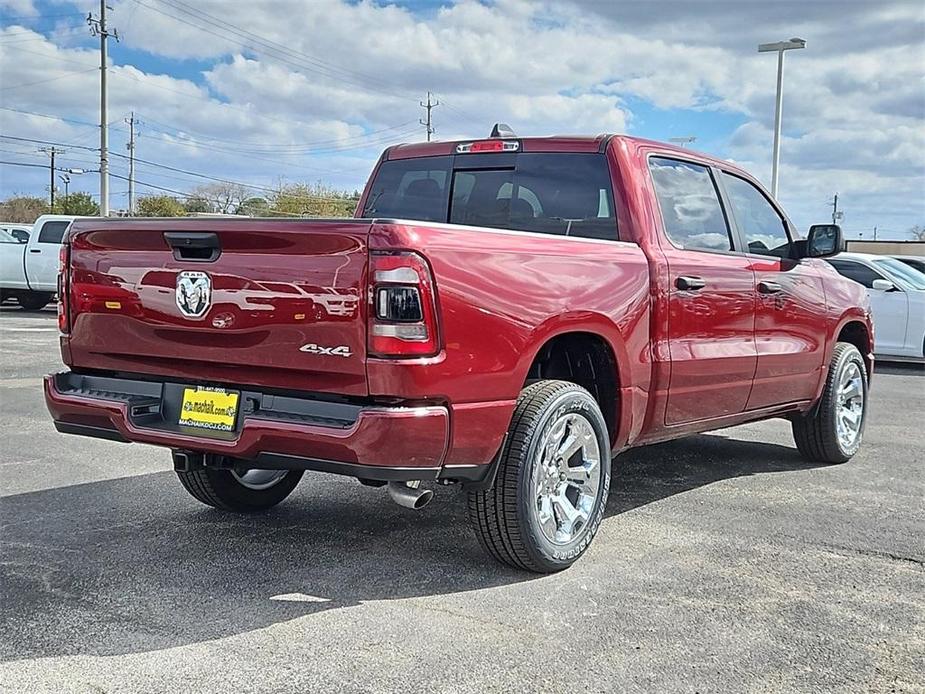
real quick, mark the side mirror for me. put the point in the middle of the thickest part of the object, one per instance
(824, 240)
(883, 286)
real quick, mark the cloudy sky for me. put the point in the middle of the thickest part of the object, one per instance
(256, 91)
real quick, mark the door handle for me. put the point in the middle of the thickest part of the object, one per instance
(688, 283)
(35, 250)
(765, 287)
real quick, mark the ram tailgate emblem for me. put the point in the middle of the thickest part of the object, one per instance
(339, 351)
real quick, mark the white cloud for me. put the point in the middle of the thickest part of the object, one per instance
(277, 75)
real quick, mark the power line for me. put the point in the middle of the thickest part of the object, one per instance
(273, 49)
(50, 79)
(45, 142)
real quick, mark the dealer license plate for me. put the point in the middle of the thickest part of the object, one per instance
(209, 408)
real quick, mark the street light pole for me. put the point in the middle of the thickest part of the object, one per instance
(779, 48)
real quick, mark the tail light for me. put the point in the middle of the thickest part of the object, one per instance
(402, 310)
(64, 283)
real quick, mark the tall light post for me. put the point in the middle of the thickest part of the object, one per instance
(66, 179)
(779, 47)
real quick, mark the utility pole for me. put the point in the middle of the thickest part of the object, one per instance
(835, 209)
(98, 27)
(428, 123)
(131, 163)
(875, 233)
(52, 151)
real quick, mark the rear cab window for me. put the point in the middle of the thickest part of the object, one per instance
(53, 232)
(566, 194)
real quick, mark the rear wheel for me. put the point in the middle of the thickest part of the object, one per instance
(553, 479)
(239, 490)
(34, 301)
(833, 431)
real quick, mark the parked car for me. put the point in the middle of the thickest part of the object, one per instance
(29, 270)
(20, 232)
(897, 300)
(914, 261)
(528, 307)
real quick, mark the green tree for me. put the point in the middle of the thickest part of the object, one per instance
(78, 203)
(255, 207)
(197, 203)
(312, 200)
(159, 206)
(24, 209)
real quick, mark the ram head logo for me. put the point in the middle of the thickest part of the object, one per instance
(194, 293)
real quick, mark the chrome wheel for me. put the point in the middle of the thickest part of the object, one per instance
(258, 479)
(849, 408)
(566, 478)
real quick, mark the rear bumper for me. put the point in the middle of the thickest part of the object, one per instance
(274, 432)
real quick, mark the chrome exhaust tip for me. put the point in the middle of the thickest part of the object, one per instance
(409, 495)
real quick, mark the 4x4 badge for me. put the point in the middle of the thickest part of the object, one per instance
(339, 351)
(194, 293)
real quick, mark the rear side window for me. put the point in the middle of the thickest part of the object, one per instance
(552, 193)
(690, 206)
(52, 232)
(857, 272)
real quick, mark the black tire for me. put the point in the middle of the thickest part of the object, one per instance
(504, 521)
(816, 433)
(221, 489)
(34, 301)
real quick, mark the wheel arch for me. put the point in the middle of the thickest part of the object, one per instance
(588, 354)
(855, 330)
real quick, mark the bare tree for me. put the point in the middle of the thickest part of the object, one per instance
(918, 232)
(224, 197)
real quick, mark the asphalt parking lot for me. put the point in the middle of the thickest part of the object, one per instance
(725, 564)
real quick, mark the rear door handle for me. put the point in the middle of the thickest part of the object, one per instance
(35, 250)
(765, 287)
(688, 283)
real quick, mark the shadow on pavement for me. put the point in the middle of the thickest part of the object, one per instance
(134, 564)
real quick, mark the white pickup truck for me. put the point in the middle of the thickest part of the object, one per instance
(29, 269)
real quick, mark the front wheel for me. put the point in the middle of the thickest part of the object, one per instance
(244, 490)
(553, 479)
(832, 431)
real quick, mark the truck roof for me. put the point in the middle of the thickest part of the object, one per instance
(554, 143)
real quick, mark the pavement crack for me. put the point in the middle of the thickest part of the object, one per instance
(876, 553)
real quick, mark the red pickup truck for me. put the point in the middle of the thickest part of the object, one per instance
(504, 314)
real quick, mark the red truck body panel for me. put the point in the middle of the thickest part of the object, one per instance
(685, 363)
(277, 285)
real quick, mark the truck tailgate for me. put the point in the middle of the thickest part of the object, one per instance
(282, 305)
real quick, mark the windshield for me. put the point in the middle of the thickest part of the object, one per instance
(553, 193)
(901, 271)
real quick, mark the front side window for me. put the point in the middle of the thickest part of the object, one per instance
(52, 232)
(856, 271)
(691, 211)
(763, 228)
